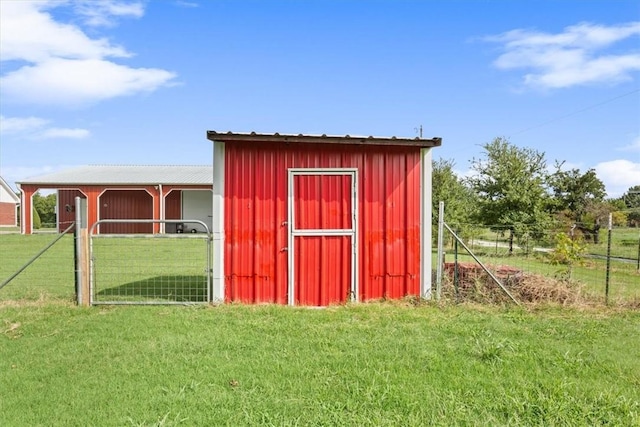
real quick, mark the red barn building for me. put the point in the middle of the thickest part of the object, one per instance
(318, 220)
(124, 192)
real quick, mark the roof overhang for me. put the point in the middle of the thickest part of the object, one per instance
(322, 139)
(125, 175)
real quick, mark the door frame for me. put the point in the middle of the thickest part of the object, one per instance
(292, 232)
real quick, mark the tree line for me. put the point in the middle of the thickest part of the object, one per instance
(512, 190)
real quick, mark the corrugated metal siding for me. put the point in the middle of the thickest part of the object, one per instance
(126, 204)
(256, 215)
(323, 270)
(173, 205)
(322, 202)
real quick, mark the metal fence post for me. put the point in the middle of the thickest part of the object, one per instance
(606, 287)
(638, 265)
(78, 252)
(456, 273)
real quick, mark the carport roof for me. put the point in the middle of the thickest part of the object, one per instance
(127, 174)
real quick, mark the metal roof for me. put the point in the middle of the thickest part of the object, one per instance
(322, 139)
(127, 174)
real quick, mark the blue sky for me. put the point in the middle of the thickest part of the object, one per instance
(140, 82)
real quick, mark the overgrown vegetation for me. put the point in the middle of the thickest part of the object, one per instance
(567, 252)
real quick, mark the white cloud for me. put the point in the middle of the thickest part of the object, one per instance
(59, 64)
(28, 33)
(577, 56)
(618, 176)
(34, 128)
(16, 125)
(64, 133)
(184, 3)
(79, 81)
(634, 146)
(100, 13)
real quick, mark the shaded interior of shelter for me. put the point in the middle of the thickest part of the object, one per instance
(179, 288)
(120, 204)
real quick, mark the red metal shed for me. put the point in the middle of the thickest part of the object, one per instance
(319, 220)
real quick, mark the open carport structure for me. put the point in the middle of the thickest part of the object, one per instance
(125, 192)
(318, 220)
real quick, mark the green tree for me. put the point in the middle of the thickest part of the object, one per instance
(459, 199)
(633, 218)
(510, 184)
(46, 208)
(35, 219)
(575, 192)
(632, 197)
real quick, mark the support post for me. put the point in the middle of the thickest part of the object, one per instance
(440, 259)
(426, 239)
(217, 291)
(82, 256)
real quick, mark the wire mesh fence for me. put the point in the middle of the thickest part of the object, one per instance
(49, 276)
(606, 264)
(150, 269)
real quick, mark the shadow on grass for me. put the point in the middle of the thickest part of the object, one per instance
(159, 288)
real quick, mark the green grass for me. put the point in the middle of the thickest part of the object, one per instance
(366, 364)
(51, 275)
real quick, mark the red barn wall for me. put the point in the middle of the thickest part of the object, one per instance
(126, 204)
(173, 205)
(7, 214)
(256, 213)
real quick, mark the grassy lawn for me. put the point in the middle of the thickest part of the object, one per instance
(51, 275)
(367, 364)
